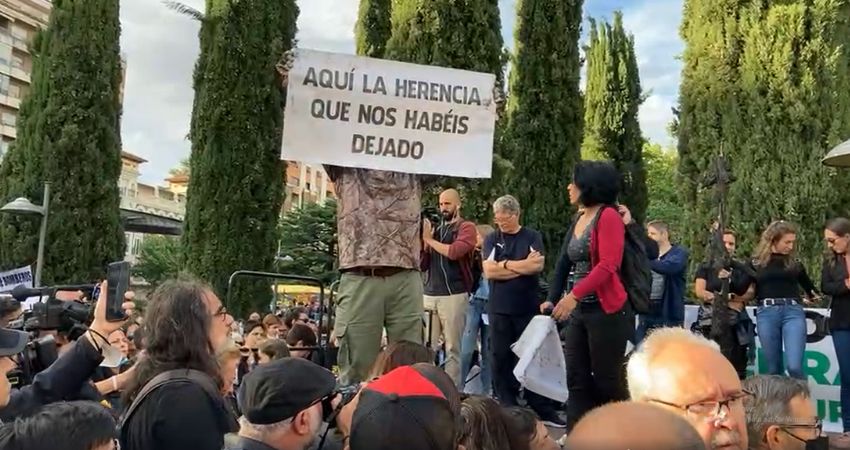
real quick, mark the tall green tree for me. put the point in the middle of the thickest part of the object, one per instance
(308, 242)
(708, 114)
(612, 99)
(661, 166)
(766, 82)
(235, 195)
(69, 135)
(462, 35)
(373, 30)
(159, 259)
(545, 113)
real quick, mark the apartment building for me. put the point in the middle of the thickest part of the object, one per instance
(20, 20)
(168, 200)
(306, 184)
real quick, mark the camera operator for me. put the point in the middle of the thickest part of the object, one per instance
(447, 262)
(66, 377)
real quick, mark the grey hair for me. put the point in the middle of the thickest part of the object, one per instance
(771, 402)
(261, 432)
(507, 204)
(639, 368)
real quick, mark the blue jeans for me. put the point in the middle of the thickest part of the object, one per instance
(841, 341)
(469, 343)
(786, 324)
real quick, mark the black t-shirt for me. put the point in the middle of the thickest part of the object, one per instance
(777, 280)
(520, 295)
(739, 281)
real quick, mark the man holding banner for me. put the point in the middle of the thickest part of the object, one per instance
(377, 126)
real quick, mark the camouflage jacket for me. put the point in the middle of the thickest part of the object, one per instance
(378, 218)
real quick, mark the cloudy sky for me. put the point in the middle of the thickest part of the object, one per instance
(161, 47)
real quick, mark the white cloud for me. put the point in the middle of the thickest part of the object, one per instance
(161, 47)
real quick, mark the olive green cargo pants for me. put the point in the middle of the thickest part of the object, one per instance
(365, 306)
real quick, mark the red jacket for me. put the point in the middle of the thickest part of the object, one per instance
(607, 240)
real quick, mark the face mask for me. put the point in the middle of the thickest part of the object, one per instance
(821, 443)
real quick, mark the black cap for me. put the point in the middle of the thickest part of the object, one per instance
(12, 342)
(279, 390)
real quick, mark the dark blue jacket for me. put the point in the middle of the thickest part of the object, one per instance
(673, 266)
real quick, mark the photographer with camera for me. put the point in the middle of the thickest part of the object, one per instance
(66, 377)
(282, 403)
(447, 262)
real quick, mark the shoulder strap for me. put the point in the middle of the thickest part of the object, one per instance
(169, 377)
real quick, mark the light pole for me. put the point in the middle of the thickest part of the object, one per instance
(23, 207)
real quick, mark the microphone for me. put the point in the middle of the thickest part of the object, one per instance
(22, 293)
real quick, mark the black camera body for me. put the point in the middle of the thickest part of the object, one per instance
(433, 215)
(69, 318)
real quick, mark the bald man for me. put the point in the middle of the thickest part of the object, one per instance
(686, 374)
(633, 426)
(449, 248)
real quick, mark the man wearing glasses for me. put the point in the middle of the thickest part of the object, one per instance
(686, 373)
(781, 416)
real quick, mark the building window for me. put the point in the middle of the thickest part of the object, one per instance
(5, 55)
(14, 90)
(4, 84)
(9, 119)
(19, 33)
(17, 62)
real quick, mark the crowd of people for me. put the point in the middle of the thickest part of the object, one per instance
(187, 375)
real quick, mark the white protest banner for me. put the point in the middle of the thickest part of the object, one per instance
(354, 111)
(14, 278)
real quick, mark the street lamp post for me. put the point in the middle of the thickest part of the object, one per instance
(24, 207)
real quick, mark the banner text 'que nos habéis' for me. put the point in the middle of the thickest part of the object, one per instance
(354, 111)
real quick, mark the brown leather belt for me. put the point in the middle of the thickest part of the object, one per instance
(382, 272)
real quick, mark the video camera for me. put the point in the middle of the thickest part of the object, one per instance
(433, 215)
(68, 318)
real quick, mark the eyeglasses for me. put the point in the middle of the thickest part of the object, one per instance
(817, 427)
(711, 409)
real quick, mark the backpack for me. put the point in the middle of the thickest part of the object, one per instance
(635, 272)
(171, 377)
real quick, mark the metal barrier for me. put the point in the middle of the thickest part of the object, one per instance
(324, 341)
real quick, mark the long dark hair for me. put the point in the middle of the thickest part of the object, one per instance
(841, 227)
(177, 334)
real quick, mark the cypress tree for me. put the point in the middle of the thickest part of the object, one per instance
(708, 110)
(237, 177)
(784, 102)
(69, 135)
(612, 99)
(373, 27)
(795, 96)
(462, 35)
(545, 113)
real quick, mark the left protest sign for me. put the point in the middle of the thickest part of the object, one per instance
(14, 278)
